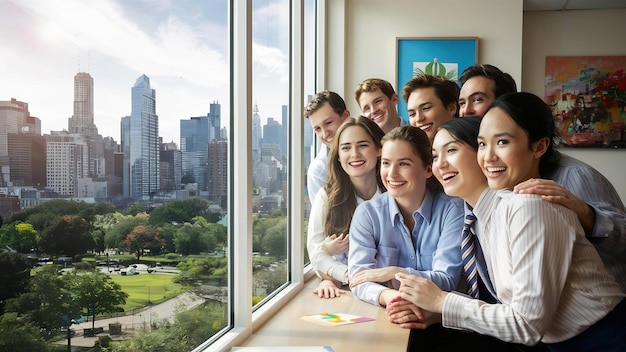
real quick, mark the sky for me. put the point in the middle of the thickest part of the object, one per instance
(181, 45)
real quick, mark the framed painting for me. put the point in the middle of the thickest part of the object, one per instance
(441, 56)
(587, 95)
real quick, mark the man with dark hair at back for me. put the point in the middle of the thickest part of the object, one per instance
(326, 112)
(481, 85)
(430, 101)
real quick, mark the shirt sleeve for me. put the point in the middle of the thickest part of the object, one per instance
(539, 266)
(593, 188)
(321, 261)
(316, 178)
(364, 239)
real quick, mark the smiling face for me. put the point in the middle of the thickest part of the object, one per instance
(325, 122)
(504, 152)
(403, 173)
(455, 166)
(427, 111)
(476, 95)
(381, 109)
(358, 154)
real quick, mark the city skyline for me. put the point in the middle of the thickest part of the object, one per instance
(181, 46)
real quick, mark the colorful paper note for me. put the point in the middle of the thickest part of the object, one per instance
(335, 319)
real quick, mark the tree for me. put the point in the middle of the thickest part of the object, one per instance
(116, 234)
(20, 335)
(143, 237)
(179, 211)
(14, 275)
(189, 239)
(275, 239)
(20, 236)
(69, 235)
(48, 304)
(96, 293)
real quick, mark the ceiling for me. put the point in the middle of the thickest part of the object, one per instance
(564, 5)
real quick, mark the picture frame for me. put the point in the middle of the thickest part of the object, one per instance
(442, 56)
(587, 95)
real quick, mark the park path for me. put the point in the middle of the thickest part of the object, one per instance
(140, 319)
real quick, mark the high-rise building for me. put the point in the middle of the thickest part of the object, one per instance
(195, 135)
(140, 143)
(82, 121)
(274, 134)
(27, 157)
(194, 143)
(66, 162)
(257, 134)
(14, 119)
(215, 120)
(171, 167)
(218, 172)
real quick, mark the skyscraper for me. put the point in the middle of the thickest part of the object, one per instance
(195, 135)
(82, 121)
(66, 162)
(140, 143)
(14, 119)
(218, 172)
(257, 134)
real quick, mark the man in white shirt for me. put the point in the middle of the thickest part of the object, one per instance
(326, 112)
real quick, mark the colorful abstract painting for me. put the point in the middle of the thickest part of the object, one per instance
(588, 99)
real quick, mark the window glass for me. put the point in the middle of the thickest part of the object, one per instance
(124, 105)
(270, 155)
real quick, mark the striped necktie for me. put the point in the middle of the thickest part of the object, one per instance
(468, 253)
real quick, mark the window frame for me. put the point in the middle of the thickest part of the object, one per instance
(243, 321)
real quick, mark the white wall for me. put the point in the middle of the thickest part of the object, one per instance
(361, 36)
(361, 43)
(569, 33)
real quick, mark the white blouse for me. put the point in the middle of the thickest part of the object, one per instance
(335, 266)
(550, 280)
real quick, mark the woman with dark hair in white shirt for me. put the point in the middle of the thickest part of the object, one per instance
(549, 281)
(353, 177)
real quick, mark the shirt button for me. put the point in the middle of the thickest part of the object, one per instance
(412, 257)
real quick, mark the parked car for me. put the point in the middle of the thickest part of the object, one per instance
(131, 270)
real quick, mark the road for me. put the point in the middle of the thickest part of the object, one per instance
(138, 321)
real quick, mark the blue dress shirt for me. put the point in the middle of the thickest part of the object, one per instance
(379, 238)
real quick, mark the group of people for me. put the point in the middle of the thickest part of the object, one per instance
(467, 224)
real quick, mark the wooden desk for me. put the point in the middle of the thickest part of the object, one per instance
(287, 329)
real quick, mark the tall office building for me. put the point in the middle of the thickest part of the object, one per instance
(27, 158)
(66, 162)
(14, 119)
(194, 143)
(195, 135)
(218, 172)
(140, 143)
(215, 120)
(257, 134)
(273, 133)
(82, 121)
(171, 167)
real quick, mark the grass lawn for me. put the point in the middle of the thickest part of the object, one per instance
(147, 289)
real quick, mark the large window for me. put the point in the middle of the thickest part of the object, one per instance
(186, 119)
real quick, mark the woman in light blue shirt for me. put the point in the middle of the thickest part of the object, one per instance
(409, 229)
